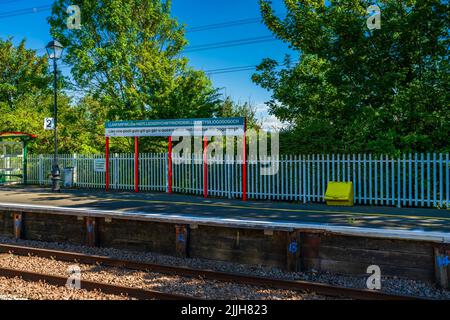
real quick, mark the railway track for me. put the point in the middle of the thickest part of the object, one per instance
(304, 286)
(93, 286)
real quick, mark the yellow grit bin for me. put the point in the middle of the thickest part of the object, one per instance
(339, 194)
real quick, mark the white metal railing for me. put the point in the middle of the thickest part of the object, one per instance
(416, 180)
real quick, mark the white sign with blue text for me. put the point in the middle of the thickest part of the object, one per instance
(99, 165)
(165, 128)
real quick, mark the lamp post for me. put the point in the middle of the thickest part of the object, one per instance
(54, 51)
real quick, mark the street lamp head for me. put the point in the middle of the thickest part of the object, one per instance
(54, 49)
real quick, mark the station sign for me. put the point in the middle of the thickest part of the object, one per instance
(99, 165)
(166, 128)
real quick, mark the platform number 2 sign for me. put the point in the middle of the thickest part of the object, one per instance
(49, 124)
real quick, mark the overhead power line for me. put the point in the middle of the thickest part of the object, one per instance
(230, 70)
(209, 46)
(238, 69)
(232, 43)
(221, 25)
(217, 45)
(11, 1)
(21, 12)
(211, 72)
(221, 70)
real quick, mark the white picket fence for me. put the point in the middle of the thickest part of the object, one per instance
(414, 180)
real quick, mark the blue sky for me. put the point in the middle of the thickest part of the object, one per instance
(193, 13)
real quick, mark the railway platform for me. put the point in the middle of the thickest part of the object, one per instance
(406, 242)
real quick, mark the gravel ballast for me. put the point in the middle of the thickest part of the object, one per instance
(196, 287)
(18, 289)
(200, 287)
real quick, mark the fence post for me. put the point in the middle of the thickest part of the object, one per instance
(169, 167)
(244, 163)
(434, 180)
(136, 164)
(441, 181)
(405, 197)
(25, 163)
(205, 167)
(400, 178)
(40, 170)
(75, 170)
(447, 180)
(107, 164)
(416, 180)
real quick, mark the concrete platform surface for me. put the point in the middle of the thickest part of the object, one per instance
(261, 214)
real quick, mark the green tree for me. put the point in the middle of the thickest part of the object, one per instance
(127, 56)
(82, 127)
(22, 73)
(361, 90)
(28, 116)
(26, 98)
(25, 91)
(231, 109)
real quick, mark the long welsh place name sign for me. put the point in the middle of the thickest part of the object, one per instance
(176, 127)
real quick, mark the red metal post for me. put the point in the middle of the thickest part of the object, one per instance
(205, 167)
(107, 165)
(169, 171)
(136, 164)
(244, 163)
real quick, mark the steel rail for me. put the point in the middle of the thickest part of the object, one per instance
(295, 285)
(106, 288)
